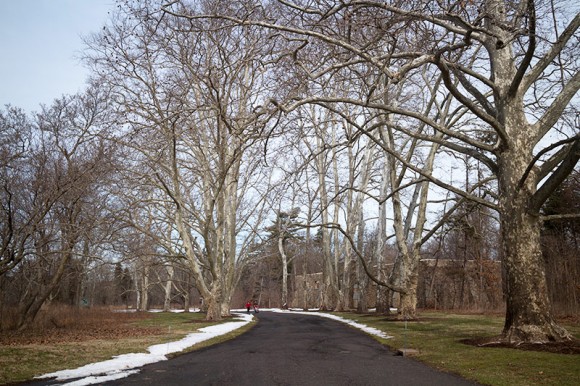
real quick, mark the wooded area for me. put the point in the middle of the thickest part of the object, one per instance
(393, 153)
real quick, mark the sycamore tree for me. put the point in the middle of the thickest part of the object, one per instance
(511, 65)
(281, 232)
(188, 97)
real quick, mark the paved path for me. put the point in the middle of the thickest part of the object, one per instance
(293, 349)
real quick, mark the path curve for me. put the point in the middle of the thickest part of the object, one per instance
(293, 349)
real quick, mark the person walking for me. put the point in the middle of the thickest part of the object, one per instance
(256, 307)
(248, 306)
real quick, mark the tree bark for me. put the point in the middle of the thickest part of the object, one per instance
(28, 311)
(284, 268)
(329, 285)
(168, 288)
(528, 314)
(214, 306)
(69, 237)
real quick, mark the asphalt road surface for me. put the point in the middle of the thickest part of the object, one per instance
(293, 349)
(290, 349)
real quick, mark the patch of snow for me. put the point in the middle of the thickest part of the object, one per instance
(360, 326)
(154, 310)
(124, 365)
(103, 378)
(176, 310)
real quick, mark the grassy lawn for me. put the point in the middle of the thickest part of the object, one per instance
(437, 337)
(20, 362)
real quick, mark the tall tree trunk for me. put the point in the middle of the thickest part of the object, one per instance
(81, 275)
(284, 268)
(528, 313)
(168, 288)
(186, 301)
(136, 282)
(29, 310)
(381, 302)
(403, 270)
(329, 285)
(144, 289)
(304, 281)
(337, 286)
(355, 218)
(213, 303)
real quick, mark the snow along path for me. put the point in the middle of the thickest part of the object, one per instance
(360, 326)
(127, 364)
(124, 365)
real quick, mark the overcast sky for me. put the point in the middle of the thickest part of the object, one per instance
(40, 41)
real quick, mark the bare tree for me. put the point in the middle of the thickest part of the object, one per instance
(324, 156)
(66, 166)
(284, 229)
(189, 94)
(20, 214)
(511, 65)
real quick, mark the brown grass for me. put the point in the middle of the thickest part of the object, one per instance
(68, 324)
(65, 337)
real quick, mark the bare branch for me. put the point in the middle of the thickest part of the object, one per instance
(555, 179)
(554, 112)
(551, 163)
(545, 61)
(560, 217)
(363, 260)
(492, 121)
(531, 9)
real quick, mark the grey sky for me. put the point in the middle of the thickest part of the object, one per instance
(40, 41)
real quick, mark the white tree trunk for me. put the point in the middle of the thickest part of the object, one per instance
(355, 220)
(381, 302)
(284, 269)
(330, 287)
(168, 287)
(144, 289)
(528, 314)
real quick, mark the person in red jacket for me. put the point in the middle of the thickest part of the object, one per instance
(248, 306)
